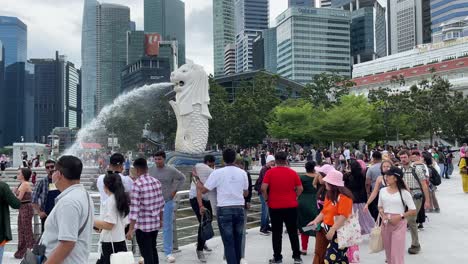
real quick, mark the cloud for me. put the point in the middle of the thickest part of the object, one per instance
(56, 25)
(199, 37)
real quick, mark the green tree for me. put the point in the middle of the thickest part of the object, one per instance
(250, 110)
(348, 121)
(430, 105)
(455, 127)
(326, 89)
(293, 120)
(220, 109)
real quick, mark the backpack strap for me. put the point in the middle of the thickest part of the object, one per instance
(413, 172)
(89, 213)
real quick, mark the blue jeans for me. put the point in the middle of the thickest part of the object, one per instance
(265, 218)
(231, 226)
(2, 248)
(168, 227)
(443, 170)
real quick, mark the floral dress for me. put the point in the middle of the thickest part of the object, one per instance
(25, 231)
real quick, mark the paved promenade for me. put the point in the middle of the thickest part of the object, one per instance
(444, 239)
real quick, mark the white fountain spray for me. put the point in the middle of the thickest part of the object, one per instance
(98, 123)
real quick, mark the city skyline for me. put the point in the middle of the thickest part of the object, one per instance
(62, 31)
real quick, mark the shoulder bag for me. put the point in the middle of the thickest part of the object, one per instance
(122, 257)
(207, 231)
(418, 195)
(36, 255)
(350, 233)
(375, 239)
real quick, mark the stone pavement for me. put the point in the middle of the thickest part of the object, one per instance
(444, 239)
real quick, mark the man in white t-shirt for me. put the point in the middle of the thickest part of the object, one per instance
(231, 184)
(116, 165)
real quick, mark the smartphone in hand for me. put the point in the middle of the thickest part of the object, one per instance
(308, 228)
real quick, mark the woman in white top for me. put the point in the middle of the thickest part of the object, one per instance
(395, 205)
(379, 183)
(113, 218)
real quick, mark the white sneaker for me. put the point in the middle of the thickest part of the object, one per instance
(243, 261)
(170, 259)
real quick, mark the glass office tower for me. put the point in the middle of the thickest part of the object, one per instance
(312, 41)
(14, 36)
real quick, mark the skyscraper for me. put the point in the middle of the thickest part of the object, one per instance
(223, 32)
(89, 59)
(14, 36)
(265, 51)
(103, 53)
(304, 3)
(72, 104)
(230, 59)
(251, 20)
(19, 89)
(2, 91)
(443, 11)
(409, 24)
(325, 3)
(57, 93)
(154, 16)
(167, 18)
(312, 41)
(368, 28)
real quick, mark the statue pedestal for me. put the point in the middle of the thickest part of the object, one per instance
(179, 159)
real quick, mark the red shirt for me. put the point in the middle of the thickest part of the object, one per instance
(282, 182)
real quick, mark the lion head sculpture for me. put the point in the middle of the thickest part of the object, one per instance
(191, 87)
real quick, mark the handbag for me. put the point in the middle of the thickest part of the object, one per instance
(36, 255)
(207, 231)
(123, 257)
(375, 237)
(350, 233)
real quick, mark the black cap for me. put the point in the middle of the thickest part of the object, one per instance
(395, 171)
(117, 159)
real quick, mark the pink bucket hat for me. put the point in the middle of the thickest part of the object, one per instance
(325, 169)
(334, 177)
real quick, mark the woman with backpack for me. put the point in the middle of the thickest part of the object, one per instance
(114, 218)
(395, 205)
(434, 180)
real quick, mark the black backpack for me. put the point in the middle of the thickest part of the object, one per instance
(434, 176)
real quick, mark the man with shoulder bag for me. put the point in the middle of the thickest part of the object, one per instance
(415, 178)
(67, 231)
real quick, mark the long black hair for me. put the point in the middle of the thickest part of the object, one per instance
(113, 182)
(427, 158)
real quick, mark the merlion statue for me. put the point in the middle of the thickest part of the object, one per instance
(191, 108)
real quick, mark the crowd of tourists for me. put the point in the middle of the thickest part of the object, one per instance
(394, 190)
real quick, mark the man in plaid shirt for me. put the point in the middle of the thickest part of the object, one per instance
(43, 197)
(146, 212)
(410, 172)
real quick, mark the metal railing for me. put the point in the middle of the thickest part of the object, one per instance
(185, 222)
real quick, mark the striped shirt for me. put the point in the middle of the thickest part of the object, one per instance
(411, 181)
(147, 203)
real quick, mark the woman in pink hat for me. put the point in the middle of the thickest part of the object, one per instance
(337, 208)
(321, 241)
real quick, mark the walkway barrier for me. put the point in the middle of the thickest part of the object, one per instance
(185, 222)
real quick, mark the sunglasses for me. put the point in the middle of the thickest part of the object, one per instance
(50, 167)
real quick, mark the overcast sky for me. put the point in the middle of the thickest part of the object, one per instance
(56, 25)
